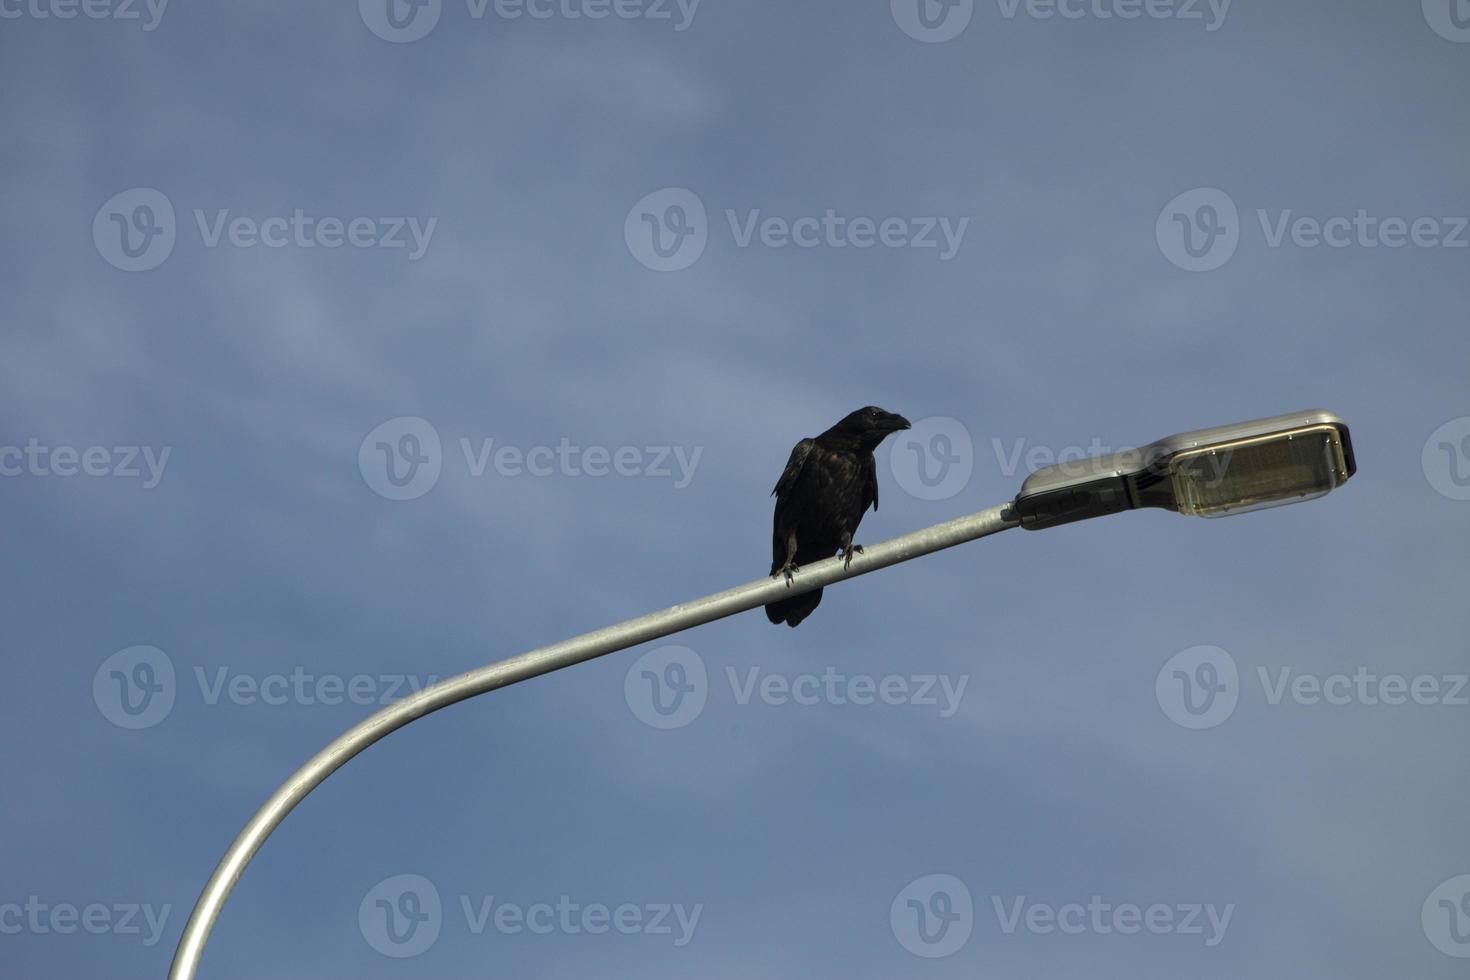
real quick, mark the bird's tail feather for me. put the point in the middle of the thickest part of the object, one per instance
(792, 611)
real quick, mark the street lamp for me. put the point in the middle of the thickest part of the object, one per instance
(1231, 469)
(1212, 472)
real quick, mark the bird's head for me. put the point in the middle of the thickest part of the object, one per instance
(870, 426)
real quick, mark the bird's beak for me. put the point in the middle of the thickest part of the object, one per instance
(899, 423)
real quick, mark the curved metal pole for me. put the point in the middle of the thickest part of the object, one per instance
(543, 661)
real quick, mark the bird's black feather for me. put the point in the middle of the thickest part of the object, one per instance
(828, 485)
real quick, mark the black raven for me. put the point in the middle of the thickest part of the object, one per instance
(828, 484)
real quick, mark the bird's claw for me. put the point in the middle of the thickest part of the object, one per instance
(789, 571)
(848, 552)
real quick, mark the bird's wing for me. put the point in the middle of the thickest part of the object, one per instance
(799, 456)
(870, 484)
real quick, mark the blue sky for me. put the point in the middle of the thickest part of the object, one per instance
(247, 243)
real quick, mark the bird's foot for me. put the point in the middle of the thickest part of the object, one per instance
(848, 552)
(789, 570)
